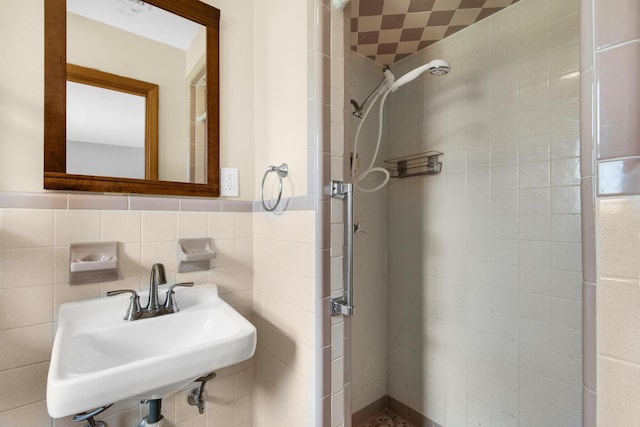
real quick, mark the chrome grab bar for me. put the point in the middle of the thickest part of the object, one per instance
(344, 306)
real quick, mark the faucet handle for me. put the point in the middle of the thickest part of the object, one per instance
(170, 305)
(134, 311)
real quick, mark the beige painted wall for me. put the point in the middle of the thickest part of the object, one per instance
(280, 79)
(21, 86)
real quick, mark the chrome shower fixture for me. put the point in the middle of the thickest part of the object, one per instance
(437, 67)
(389, 84)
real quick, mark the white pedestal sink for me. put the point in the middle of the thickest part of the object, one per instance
(98, 358)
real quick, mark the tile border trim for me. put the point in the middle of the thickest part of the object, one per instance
(618, 177)
(85, 201)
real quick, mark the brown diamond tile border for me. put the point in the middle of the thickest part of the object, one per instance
(383, 29)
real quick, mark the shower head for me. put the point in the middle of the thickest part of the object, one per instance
(437, 67)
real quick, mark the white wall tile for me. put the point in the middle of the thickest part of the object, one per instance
(159, 226)
(26, 306)
(121, 226)
(566, 256)
(518, 272)
(33, 415)
(163, 252)
(18, 230)
(534, 175)
(619, 228)
(76, 227)
(617, 391)
(618, 318)
(25, 346)
(192, 224)
(534, 201)
(26, 267)
(67, 293)
(565, 228)
(221, 225)
(27, 385)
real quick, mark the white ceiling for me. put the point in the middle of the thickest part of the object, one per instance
(151, 22)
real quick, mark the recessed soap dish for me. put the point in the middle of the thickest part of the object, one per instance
(195, 254)
(93, 262)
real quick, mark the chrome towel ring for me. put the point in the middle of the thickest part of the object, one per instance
(282, 172)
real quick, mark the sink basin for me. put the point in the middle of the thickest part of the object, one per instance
(98, 358)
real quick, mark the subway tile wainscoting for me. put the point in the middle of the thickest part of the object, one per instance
(254, 252)
(34, 275)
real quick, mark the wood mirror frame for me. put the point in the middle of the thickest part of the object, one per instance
(55, 141)
(149, 91)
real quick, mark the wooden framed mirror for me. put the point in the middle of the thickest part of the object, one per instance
(56, 176)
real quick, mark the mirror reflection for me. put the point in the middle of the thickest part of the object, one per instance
(112, 125)
(128, 38)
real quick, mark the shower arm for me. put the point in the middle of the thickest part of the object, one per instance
(359, 109)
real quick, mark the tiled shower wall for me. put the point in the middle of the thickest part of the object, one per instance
(34, 264)
(484, 260)
(369, 325)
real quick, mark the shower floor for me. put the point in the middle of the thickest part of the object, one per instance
(386, 419)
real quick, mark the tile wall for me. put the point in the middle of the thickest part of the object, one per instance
(337, 356)
(284, 314)
(618, 320)
(34, 263)
(306, 113)
(610, 42)
(484, 260)
(369, 325)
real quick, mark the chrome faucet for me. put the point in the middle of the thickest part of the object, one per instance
(158, 277)
(153, 308)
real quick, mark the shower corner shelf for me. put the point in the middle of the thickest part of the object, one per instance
(427, 163)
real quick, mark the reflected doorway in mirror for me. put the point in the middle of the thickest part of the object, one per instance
(112, 125)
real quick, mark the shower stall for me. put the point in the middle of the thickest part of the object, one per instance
(467, 283)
